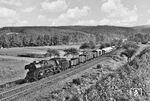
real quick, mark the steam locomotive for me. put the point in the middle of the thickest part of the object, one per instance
(45, 68)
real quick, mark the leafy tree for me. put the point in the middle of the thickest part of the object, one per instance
(92, 44)
(55, 40)
(103, 45)
(47, 40)
(65, 39)
(85, 46)
(140, 37)
(130, 45)
(128, 53)
(71, 51)
(15, 41)
(25, 41)
(4, 41)
(52, 52)
(74, 98)
(32, 41)
(40, 40)
(89, 45)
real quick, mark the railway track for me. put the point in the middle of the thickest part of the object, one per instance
(13, 94)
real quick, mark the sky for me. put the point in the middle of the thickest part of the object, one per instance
(74, 12)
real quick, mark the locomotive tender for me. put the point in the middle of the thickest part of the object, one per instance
(45, 68)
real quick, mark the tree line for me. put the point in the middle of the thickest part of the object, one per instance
(7, 41)
(140, 37)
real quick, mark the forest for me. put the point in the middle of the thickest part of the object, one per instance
(47, 36)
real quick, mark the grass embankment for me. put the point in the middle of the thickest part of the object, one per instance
(107, 84)
(89, 78)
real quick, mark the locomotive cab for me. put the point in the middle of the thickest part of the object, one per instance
(31, 66)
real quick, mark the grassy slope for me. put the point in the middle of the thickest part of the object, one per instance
(96, 85)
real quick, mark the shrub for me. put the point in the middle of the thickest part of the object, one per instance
(99, 66)
(85, 46)
(74, 98)
(32, 55)
(90, 45)
(71, 51)
(128, 53)
(76, 81)
(52, 52)
(130, 45)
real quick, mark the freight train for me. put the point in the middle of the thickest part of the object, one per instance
(45, 68)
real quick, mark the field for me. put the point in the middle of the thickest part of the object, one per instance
(40, 50)
(12, 66)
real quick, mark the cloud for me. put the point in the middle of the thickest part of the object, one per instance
(12, 2)
(148, 22)
(86, 22)
(104, 21)
(28, 10)
(116, 11)
(72, 15)
(55, 6)
(93, 22)
(9, 17)
(41, 17)
(13, 22)
(7, 13)
(148, 11)
(20, 23)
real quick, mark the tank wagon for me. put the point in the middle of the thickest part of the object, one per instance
(44, 68)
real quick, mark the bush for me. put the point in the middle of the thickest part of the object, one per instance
(74, 98)
(71, 51)
(52, 52)
(128, 53)
(103, 45)
(90, 45)
(130, 45)
(32, 55)
(85, 46)
(99, 66)
(76, 81)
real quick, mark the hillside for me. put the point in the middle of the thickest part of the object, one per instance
(105, 31)
(107, 82)
(44, 35)
(143, 29)
(100, 32)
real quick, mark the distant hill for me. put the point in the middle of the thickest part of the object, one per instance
(97, 31)
(108, 32)
(143, 29)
